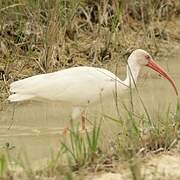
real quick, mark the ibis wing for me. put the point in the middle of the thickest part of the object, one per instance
(80, 84)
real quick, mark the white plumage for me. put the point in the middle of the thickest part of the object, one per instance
(78, 86)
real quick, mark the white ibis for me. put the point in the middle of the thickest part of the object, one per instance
(83, 86)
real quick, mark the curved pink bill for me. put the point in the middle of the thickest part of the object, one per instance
(153, 65)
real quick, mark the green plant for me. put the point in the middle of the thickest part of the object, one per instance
(82, 148)
(3, 165)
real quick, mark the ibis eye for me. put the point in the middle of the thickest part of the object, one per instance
(147, 57)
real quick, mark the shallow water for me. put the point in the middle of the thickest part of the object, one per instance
(37, 127)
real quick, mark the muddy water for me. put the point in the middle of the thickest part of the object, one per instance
(36, 127)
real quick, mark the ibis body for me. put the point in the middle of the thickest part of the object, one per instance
(83, 86)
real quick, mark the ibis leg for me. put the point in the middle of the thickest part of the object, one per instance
(65, 130)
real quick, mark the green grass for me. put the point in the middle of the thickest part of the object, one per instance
(83, 147)
(3, 165)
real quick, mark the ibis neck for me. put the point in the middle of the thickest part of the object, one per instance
(132, 75)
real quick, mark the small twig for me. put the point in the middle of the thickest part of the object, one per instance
(173, 144)
(12, 119)
(40, 66)
(11, 6)
(5, 84)
(158, 150)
